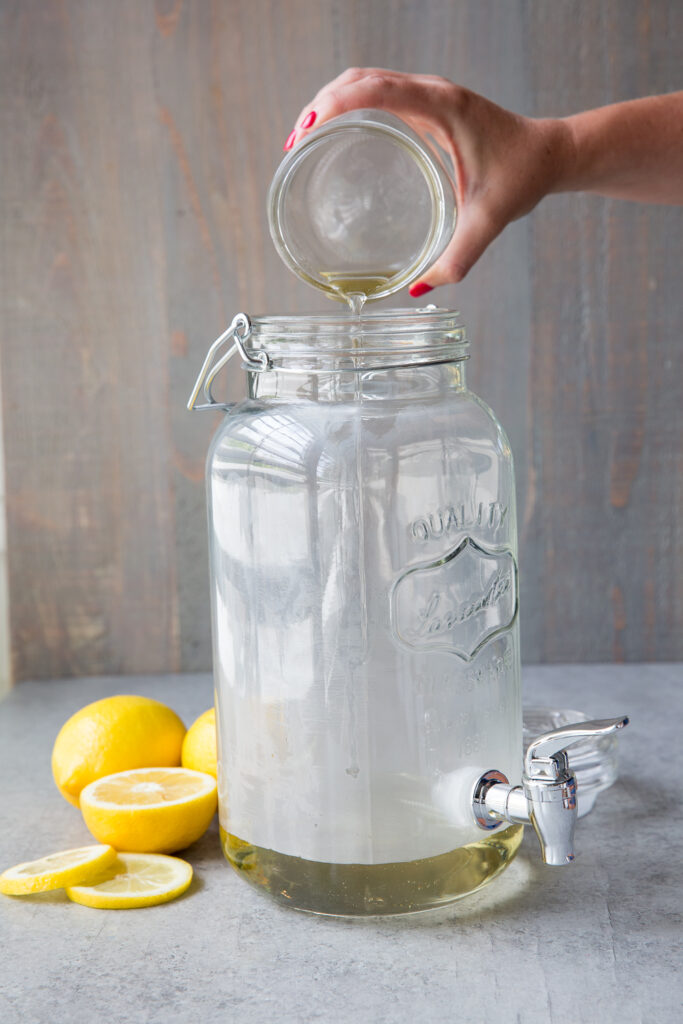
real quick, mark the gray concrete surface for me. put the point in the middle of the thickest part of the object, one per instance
(599, 941)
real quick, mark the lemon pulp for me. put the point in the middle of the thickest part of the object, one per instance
(57, 870)
(135, 880)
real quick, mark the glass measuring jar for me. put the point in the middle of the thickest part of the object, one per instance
(362, 206)
(363, 558)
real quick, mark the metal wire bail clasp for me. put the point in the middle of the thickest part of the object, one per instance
(238, 332)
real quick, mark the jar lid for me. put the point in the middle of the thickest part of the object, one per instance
(361, 205)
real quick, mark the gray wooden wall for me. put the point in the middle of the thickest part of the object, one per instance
(137, 143)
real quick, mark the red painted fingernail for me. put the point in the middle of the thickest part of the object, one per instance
(309, 119)
(290, 140)
(416, 290)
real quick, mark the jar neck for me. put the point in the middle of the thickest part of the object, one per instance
(394, 354)
(410, 383)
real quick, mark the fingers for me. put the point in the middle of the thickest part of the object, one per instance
(421, 98)
(348, 77)
(475, 229)
(435, 107)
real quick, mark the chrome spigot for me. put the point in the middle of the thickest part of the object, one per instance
(547, 796)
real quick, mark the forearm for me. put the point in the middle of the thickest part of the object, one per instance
(631, 150)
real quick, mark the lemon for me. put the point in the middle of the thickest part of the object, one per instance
(68, 867)
(113, 735)
(199, 745)
(150, 810)
(135, 880)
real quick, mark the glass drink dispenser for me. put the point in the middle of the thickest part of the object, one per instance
(364, 581)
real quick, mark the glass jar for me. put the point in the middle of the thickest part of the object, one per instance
(362, 206)
(364, 603)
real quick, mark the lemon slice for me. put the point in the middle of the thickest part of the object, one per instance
(68, 867)
(135, 880)
(150, 810)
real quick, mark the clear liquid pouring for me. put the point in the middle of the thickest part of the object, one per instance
(357, 289)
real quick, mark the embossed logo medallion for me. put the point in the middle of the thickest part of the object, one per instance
(456, 603)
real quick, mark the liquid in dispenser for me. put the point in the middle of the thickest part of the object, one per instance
(340, 711)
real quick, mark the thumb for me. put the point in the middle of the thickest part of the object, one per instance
(475, 229)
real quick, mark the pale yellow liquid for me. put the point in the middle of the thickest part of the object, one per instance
(357, 289)
(405, 887)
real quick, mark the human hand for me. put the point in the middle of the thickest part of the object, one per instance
(503, 163)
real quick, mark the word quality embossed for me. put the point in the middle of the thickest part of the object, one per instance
(456, 603)
(454, 518)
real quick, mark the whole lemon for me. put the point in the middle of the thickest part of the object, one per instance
(113, 735)
(199, 745)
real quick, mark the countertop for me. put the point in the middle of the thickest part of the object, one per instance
(598, 941)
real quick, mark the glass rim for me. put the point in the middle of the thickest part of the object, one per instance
(406, 321)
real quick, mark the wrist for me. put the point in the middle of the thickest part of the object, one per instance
(561, 143)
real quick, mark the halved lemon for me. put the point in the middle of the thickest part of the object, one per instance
(135, 880)
(150, 810)
(68, 867)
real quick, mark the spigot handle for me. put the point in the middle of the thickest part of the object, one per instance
(552, 743)
(547, 796)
